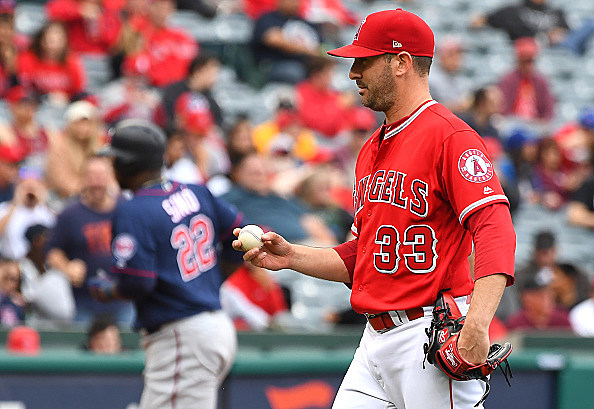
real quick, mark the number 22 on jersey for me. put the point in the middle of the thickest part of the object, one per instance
(194, 244)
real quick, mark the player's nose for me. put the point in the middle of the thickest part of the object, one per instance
(354, 72)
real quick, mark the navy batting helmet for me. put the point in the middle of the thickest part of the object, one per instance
(136, 145)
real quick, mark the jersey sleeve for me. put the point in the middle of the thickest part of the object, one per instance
(227, 216)
(134, 251)
(468, 174)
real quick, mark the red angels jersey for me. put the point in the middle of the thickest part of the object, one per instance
(412, 194)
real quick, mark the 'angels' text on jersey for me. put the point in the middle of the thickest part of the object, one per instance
(388, 186)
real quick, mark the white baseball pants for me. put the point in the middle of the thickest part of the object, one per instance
(387, 373)
(186, 361)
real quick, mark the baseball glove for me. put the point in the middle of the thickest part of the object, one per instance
(442, 349)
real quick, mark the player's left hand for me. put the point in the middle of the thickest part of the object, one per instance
(474, 344)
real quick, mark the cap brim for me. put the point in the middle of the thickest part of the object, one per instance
(109, 151)
(354, 51)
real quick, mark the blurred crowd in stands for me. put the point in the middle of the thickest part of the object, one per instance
(291, 172)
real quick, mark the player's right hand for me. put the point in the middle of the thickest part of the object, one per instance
(275, 254)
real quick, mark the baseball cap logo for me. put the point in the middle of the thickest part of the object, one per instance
(396, 44)
(359, 29)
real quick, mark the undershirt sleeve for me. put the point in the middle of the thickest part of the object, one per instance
(348, 253)
(494, 241)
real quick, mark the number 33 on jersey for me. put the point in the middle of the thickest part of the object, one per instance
(412, 195)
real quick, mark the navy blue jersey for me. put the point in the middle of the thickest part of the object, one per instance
(85, 234)
(165, 254)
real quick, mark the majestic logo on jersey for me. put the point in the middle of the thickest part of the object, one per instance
(123, 248)
(359, 29)
(475, 166)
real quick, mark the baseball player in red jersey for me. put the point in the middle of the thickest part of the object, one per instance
(424, 191)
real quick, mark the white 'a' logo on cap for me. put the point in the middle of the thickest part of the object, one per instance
(359, 29)
(396, 44)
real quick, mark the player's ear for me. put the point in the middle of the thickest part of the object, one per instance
(402, 63)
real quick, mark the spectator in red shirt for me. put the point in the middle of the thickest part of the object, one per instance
(130, 96)
(538, 311)
(252, 298)
(50, 68)
(170, 50)
(24, 131)
(193, 116)
(319, 106)
(526, 92)
(92, 28)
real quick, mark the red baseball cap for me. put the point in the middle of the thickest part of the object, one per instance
(136, 65)
(194, 112)
(390, 31)
(23, 341)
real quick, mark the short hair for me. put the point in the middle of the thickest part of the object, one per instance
(100, 324)
(420, 64)
(479, 96)
(200, 61)
(318, 64)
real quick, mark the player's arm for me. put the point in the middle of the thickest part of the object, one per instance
(494, 240)
(277, 253)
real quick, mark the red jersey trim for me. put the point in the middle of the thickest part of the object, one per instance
(354, 230)
(409, 120)
(134, 272)
(481, 202)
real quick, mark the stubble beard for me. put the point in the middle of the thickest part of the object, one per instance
(383, 94)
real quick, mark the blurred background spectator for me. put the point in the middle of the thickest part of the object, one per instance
(527, 18)
(12, 304)
(538, 310)
(28, 206)
(320, 107)
(282, 41)
(482, 113)
(526, 92)
(24, 132)
(48, 293)
(50, 67)
(91, 27)
(11, 45)
(252, 192)
(103, 336)
(170, 49)
(80, 243)
(69, 150)
(202, 76)
(446, 82)
(131, 95)
(252, 298)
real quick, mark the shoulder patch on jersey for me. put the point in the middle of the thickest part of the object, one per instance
(123, 248)
(475, 166)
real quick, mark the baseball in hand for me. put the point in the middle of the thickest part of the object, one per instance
(250, 237)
